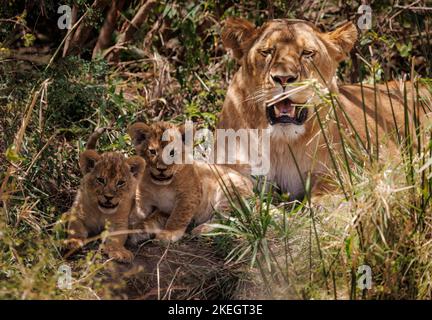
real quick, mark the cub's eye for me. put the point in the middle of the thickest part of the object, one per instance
(308, 53)
(152, 152)
(101, 181)
(172, 153)
(266, 52)
(121, 183)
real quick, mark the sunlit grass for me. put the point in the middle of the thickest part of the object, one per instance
(378, 215)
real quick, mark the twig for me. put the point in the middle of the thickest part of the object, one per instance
(413, 8)
(73, 21)
(39, 153)
(64, 39)
(399, 12)
(158, 270)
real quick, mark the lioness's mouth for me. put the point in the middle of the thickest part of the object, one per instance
(285, 111)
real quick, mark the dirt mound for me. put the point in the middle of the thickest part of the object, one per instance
(191, 269)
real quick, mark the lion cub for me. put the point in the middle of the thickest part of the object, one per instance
(105, 198)
(171, 196)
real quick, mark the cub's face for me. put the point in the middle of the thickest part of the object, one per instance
(160, 144)
(280, 59)
(109, 179)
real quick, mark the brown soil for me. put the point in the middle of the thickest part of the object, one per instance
(190, 269)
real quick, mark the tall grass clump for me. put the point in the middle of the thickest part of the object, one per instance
(378, 214)
(39, 176)
(54, 92)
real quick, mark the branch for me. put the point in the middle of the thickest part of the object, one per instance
(129, 28)
(82, 33)
(108, 28)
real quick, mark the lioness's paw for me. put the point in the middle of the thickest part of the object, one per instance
(120, 255)
(168, 235)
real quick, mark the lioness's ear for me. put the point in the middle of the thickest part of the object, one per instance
(238, 35)
(136, 165)
(139, 133)
(88, 160)
(342, 40)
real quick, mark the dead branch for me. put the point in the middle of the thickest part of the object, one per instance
(129, 28)
(82, 33)
(108, 28)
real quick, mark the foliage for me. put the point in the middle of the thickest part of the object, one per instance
(175, 68)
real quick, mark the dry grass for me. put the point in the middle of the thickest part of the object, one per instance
(311, 250)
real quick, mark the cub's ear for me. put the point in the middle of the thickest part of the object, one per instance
(137, 165)
(139, 133)
(342, 40)
(238, 35)
(190, 128)
(88, 160)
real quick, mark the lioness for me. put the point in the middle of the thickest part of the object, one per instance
(171, 196)
(282, 63)
(105, 198)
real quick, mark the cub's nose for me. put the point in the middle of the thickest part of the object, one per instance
(161, 171)
(108, 198)
(284, 80)
(161, 167)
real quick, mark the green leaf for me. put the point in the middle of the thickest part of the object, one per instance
(404, 49)
(12, 155)
(29, 39)
(348, 248)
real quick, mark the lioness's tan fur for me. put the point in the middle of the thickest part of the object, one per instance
(285, 47)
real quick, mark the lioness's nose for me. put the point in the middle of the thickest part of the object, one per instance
(108, 198)
(284, 80)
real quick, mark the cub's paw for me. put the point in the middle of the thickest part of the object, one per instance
(120, 254)
(74, 243)
(202, 229)
(135, 239)
(151, 226)
(168, 235)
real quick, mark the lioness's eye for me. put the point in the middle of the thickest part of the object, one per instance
(266, 52)
(308, 53)
(152, 151)
(121, 183)
(101, 181)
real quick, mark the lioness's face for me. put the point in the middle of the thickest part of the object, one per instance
(282, 63)
(158, 150)
(109, 179)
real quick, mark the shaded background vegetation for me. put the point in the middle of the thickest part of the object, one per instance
(139, 60)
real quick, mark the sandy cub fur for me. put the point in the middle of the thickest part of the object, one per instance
(171, 196)
(105, 198)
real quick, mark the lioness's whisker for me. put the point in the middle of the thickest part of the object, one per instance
(286, 94)
(302, 105)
